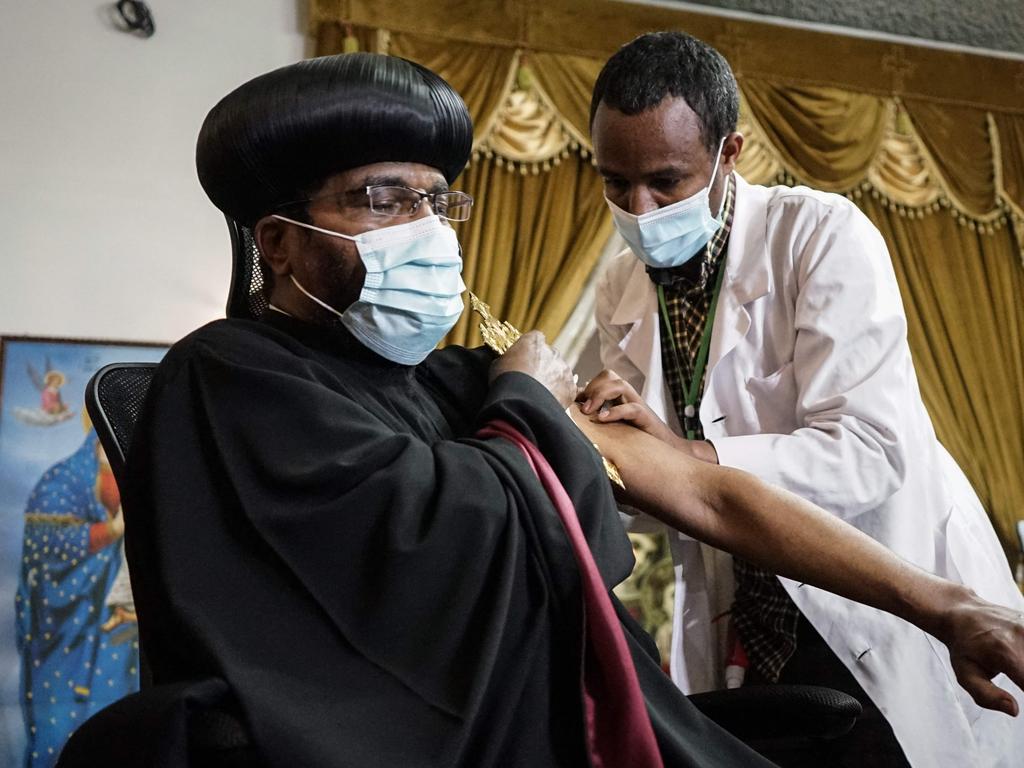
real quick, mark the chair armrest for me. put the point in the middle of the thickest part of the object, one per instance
(758, 712)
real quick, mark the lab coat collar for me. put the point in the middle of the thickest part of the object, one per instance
(748, 277)
(748, 271)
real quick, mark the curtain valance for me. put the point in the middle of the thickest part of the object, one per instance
(916, 155)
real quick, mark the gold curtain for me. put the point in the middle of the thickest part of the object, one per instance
(962, 292)
(531, 254)
(826, 135)
(929, 144)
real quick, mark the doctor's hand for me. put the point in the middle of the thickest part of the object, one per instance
(534, 357)
(609, 398)
(985, 639)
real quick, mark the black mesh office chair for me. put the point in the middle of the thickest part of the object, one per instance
(114, 398)
(247, 298)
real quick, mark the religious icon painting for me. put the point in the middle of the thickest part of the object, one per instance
(68, 635)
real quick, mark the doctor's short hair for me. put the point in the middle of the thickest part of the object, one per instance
(659, 64)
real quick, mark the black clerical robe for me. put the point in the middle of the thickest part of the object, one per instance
(319, 528)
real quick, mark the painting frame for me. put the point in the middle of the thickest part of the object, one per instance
(57, 515)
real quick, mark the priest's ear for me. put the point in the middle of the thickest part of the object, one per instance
(275, 241)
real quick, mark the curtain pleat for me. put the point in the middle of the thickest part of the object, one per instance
(1008, 135)
(828, 136)
(957, 139)
(569, 82)
(481, 74)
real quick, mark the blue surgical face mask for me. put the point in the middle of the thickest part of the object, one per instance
(412, 295)
(671, 236)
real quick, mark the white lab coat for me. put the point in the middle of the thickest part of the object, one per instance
(810, 386)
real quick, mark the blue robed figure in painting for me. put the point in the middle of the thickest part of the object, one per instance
(78, 645)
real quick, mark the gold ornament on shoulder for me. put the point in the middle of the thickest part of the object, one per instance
(499, 336)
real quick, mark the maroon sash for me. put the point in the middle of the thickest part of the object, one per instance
(619, 732)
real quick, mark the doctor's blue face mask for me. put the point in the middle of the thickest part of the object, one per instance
(412, 295)
(671, 236)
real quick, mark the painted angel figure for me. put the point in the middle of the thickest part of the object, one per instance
(52, 408)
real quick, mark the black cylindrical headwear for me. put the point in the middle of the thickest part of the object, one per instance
(278, 137)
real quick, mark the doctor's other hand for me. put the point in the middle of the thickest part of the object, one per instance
(985, 639)
(534, 357)
(608, 398)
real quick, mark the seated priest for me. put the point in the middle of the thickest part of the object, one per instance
(389, 553)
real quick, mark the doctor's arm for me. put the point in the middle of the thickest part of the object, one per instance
(775, 529)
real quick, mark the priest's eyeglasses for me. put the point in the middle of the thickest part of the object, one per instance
(389, 200)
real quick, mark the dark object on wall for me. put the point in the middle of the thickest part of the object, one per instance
(135, 18)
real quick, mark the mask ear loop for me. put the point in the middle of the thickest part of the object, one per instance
(291, 277)
(310, 296)
(304, 225)
(714, 170)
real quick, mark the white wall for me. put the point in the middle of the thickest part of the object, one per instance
(106, 233)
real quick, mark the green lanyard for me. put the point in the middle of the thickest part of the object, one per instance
(691, 392)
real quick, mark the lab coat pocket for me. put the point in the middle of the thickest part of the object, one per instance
(975, 558)
(774, 400)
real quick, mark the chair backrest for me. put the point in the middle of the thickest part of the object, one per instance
(114, 398)
(246, 297)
